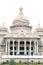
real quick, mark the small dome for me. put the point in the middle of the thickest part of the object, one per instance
(40, 29)
(21, 19)
(3, 28)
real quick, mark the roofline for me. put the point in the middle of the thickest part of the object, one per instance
(22, 37)
(21, 26)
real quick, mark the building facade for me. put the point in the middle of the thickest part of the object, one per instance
(20, 41)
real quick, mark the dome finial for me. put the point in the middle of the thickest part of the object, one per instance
(39, 25)
(21, 12)
(3, 23)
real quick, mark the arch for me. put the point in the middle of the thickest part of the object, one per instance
(11, 42)
(27, 42)
(21, 42)
(15, 42)
(32, 42)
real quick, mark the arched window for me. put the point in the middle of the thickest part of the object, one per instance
(15, 42)
(11, 53)
(32, 53)
(11, 42)
(21, 42)
(27, 42)
(32, 42)
(11, 48)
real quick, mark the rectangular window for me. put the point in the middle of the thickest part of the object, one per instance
(31, 48)
(27, 53)
(31, 53)
(14, 48)
(21, 42)
(15, 42)
(27, 42)
(14, 53)
(21, 53)
(11, 48)
(21, 48)
(27, 48)
(11, 53)
(11, 42)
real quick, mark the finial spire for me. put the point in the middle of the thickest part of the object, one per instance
(3, 24)
(39, 25)
(21, 11)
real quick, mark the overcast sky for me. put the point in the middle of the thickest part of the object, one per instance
(33, 10)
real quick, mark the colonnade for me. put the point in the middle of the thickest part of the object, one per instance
(7, 52)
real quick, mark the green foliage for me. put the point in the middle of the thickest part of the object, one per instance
(12, 62)
(38, 62)
(7, 62)
(20, 62)
(3, 63)
(32, 61)
(25, 62)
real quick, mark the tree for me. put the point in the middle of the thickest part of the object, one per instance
(38, 62)
(12, 62)
(32, 61)
(7, 61)
(20, 62)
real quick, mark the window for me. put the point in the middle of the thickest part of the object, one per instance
(21, 48)
(11, 53)
(32, 42)
(14, 48)
(11, 48)
(14, 53)
(27, 53)
(21, 53)
(27, 48)
(31, 53)
(31, 48)
(27, 42)
(11, 42)
(15, 42)
(21, 42)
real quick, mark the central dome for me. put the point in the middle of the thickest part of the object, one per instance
(21, 19)
(20, 23)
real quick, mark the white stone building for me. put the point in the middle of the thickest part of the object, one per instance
(20, 43)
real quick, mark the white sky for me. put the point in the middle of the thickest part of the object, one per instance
(33, 10)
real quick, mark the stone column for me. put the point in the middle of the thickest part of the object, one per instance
(25, 48)
(6, 47)
(30, 48)
(34, 47)
(18, 47)
(37, 47)
(13, 47)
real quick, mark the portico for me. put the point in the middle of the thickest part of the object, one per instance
(21, 47)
